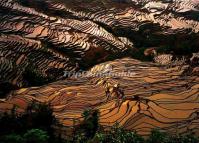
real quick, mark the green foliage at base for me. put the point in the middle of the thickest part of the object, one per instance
(36, 136)
(31, 136)
(158, 136)
(12, 138)
(35, 123)
(118, 135)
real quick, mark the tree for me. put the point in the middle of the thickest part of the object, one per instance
(12, 138)
(37, 115)
(90, 124)
(88, 127)
(119, 135)
(36, 136)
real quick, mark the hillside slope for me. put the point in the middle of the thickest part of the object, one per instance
(45, 38)
(145, 97)
(42, 40)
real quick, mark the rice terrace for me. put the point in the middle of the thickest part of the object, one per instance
(99, 71)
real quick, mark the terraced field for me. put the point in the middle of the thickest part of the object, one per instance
(47, 38)
(149, 97)
(55, 36)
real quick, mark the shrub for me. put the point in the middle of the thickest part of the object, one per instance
(190, 138)
(90, 124)
(12, 138)
(36, 136)
(31, 136)
(158, 137)
(118, 135)
(37, 115)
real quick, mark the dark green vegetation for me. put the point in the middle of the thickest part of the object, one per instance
(119, 135)
(36, 122)
(35, 126)
(31, 136)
